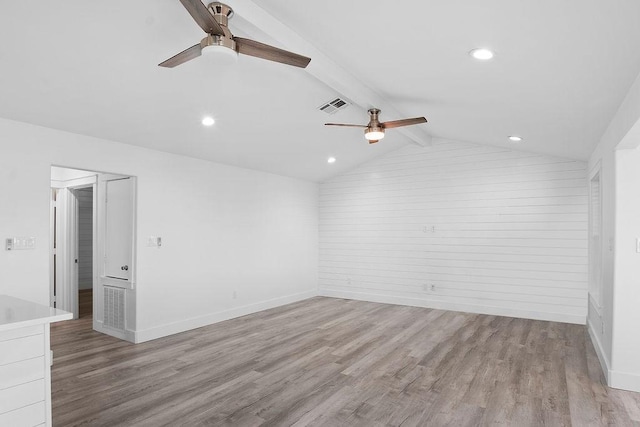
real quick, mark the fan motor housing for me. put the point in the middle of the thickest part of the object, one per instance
(216, 40)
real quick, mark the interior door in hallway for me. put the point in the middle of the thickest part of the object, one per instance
(114, 313)
(118, 228)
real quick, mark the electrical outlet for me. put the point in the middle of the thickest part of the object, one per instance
(429, 287)
(154, 242)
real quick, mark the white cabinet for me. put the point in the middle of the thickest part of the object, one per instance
(25, 360)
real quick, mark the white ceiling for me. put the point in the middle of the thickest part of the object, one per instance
(560, 72)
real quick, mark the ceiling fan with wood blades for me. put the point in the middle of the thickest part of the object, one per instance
(374, 130)
(214, 19)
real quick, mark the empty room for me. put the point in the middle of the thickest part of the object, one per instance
(285, 213)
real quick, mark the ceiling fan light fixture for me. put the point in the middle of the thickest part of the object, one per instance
(374, 133)
(331, 160)
(208, 121)
(219, 51)
(515, 138)
(220, 47)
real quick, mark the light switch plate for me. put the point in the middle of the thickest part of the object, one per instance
(20, 243)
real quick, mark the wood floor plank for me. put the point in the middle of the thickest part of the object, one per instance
(332, 362)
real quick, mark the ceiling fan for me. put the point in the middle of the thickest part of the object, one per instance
(374, 130)
(214, 19)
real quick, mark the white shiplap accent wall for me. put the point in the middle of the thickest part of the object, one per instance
(459, 226)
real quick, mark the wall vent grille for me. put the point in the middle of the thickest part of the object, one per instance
(114, 307)
(333, 106)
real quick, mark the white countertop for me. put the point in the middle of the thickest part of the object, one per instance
(18, 313)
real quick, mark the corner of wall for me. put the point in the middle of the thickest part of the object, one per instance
(624, 381)
(597, 345)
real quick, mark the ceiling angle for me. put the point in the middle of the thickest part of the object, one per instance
(214, 19)
(374, 130)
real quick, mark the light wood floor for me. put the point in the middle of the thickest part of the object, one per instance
(335, 362)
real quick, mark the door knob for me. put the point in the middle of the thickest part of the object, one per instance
(124, 267)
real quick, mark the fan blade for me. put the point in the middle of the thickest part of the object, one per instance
(182, 57)
(270, 53)
(346, 125)
(373, 141)
(404, 122)
(202, 16)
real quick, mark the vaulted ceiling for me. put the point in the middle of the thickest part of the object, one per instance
(560, 72)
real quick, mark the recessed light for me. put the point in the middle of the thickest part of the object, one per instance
(482, 54)
(331, 160)
(208, 121)
(514, 138)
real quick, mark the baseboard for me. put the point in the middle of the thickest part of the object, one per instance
(209, 319)
(467, 308)
(602, 356)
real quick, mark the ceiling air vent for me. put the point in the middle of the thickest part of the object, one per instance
(333, 106)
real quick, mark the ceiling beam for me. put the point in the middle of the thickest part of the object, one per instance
(321, 67)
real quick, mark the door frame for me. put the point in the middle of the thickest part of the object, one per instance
(596, 254)
(66, 237)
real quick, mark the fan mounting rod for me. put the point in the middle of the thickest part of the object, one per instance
(374, 112)
(221, 12)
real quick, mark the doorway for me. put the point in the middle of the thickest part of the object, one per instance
(85, 251)
(92, 248)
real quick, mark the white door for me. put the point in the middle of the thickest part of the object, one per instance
(114, 308)
(66, 251)
(118, 229)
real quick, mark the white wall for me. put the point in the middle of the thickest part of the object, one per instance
(224, 229)
(495, 231)
(613, 327)
(626, 298)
